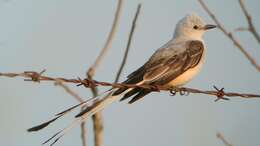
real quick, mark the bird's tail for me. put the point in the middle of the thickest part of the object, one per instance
(92, 106)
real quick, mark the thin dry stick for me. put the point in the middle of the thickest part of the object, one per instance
(93, 68)
(97, 118)
(83, 133)
(97, 121)
(128, 43)
(251, 27)
(59, 82)
(230, 36)
(219, 93)
(222, 138)
(98, 128)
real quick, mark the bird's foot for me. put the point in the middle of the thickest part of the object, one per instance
(175, 90)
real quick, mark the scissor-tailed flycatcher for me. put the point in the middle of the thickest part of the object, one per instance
(174, 64)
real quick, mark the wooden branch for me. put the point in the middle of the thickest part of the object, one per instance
(251, 27)
(77, 97)
(128, 43)
(107, 46)
(97, 117)
(230, 36)
(223, 139)
(60, 83)
(83, 133)
(97, 120)
(98, 129)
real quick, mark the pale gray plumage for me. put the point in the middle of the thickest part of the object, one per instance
(174, 64)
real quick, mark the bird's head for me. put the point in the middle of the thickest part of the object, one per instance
(192, 26)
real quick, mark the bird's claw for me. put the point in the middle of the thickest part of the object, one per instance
(182, 91)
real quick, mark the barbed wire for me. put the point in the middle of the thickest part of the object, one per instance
(218, 93)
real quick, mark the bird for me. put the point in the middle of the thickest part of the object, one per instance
(172, 65)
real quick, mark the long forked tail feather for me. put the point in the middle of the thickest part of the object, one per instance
(83, 115)
(61, 133)
(93, 105)
(61, 114)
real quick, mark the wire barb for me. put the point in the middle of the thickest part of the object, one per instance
(35, 76)
(219, 93)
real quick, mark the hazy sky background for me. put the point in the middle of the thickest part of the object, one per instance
(65, 37)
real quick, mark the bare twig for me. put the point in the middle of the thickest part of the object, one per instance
(230, 36)
(241, 29)
(219, 93)
(251, 27)
(97, 120)
(98, 128)
(83, 133)
(58, 82)
(110, 38)
(128, 43)
(222, 138)
(97, 117)
(77, 97)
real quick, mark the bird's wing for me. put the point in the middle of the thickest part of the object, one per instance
(164, 66)
(171, 67)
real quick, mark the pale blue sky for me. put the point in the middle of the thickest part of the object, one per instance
(65, 36)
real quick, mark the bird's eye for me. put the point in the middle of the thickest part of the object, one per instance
(195, 27)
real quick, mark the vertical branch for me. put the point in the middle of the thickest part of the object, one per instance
(230, 36)
(83, 133)
(97, 118)
(59, 82)
(97, 121)
(222, 138)
(98, 128)
(93, 68)
(251, 26)
(128, 43)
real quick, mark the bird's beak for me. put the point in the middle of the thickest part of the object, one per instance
(209, 26)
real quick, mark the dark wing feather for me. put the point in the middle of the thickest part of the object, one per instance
(140, 95)
(163, 70)
(130, 93)
(179, 63)
(134, 78)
